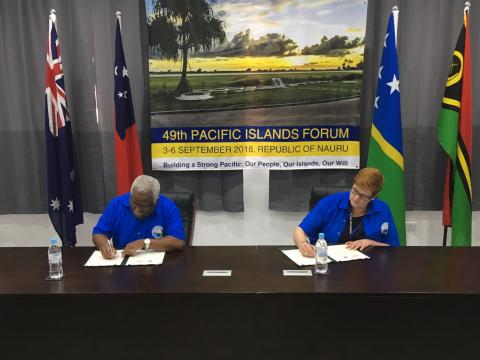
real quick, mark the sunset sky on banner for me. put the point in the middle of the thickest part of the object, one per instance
(296, 29)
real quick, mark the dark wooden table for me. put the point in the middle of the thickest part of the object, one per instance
(142, 312)
(404, 303)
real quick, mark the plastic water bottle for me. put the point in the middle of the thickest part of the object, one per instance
(55, 271)
(321, 255)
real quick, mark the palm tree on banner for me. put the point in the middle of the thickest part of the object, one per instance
(180, 27)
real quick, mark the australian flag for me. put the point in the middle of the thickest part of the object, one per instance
(64, 193)
(128, 159)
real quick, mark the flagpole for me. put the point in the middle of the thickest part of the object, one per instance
(119, 18)
(53, 15)
(395, 12)
(445, 233)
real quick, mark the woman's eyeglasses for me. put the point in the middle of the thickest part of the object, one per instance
(360, 195)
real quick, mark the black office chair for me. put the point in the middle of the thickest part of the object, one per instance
(319, 192)
(186, 204)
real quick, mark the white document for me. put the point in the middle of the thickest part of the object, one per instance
(142, 257)
(96, 259)
(337, 253)
(341, 253)
(298, 258)
(146, 257)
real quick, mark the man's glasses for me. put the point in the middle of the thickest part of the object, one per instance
(360, 195)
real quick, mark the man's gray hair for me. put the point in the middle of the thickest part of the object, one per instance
(146, 184)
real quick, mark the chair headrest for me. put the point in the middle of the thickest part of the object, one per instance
(319, 192)
(186, 205)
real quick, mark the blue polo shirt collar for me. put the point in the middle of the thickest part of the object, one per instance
(344, 204)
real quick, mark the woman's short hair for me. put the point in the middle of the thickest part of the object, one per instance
(146, 184)
(370, 179)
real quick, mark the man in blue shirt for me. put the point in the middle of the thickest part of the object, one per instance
(141, 219)
(355, 218)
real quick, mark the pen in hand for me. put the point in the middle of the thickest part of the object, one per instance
(110, 248)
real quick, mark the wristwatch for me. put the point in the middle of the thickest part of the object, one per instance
(146, 243)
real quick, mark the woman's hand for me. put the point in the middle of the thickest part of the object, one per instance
(306, 249)
(301, 241)
(359, 244)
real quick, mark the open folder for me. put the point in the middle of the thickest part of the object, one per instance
(337, 253)
(142, 257)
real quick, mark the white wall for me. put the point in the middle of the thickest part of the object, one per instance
(255, 226)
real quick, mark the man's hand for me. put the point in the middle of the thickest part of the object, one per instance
(108, 252)
(306, 249)
(359, 244)
(133, 247)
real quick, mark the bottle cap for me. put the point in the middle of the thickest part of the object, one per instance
(321, 235)
(53, 241)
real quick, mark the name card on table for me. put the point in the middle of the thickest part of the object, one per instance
(297, 272)
(217, 272)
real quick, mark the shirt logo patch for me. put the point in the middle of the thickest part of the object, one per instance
(384, 228)
(157, 231)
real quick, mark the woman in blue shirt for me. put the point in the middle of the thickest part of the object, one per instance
(355, 218)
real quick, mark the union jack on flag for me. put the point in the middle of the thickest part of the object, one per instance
(55, 85)
(64, 193)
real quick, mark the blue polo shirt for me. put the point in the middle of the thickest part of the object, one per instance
(119, 223)
(331, 215)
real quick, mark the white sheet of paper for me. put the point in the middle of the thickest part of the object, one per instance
(298, 258)
(341, 253)
(96, 259)
(146, 257)
(336, 252)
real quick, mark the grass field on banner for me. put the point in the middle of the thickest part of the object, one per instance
(231, 90)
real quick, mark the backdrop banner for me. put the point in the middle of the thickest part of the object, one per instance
(247, 147)
(252, 84)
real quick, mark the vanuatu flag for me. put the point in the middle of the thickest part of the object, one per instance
(386, 145)
(454, 133)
